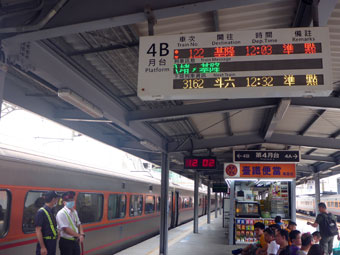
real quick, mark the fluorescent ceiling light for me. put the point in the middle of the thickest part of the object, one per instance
(80, 102)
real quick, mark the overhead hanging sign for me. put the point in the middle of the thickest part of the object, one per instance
(259, 171)
(200, 162)
(220, 187)
(277, 156)
(290, 62)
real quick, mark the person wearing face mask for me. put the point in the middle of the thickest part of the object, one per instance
(46, 226)
(71, 231)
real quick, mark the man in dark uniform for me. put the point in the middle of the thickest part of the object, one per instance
(46, 226)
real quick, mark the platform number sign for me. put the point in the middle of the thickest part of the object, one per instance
(162, 49)
(289, 62)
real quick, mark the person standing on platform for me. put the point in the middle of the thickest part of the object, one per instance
(328, 228)
(71, 232)
(46, 226)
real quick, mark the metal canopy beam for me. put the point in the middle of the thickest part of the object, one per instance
(325, 11)
(227, 124)
(277, 138)
(308, 141)
(303, 16)
(215, 142)
(275, 118)
(139, 17)
(192, 109)
(49, 67)
(311, 122)
(318, 158)
(319, 103)
(104, 49)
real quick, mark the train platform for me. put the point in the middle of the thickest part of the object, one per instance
(211, 239)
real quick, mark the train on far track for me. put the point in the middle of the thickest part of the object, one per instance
(306, 204)
(116, 210)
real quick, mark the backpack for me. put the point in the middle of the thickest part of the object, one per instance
(330, 225)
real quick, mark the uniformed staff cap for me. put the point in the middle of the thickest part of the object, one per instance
(50, 195)
(69, 195)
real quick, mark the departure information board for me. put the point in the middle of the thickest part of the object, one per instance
(289, 62)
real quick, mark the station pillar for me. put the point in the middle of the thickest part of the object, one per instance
(196, 203)
(220, 204)
(209, 202)
(293, 201)
(163, 245)
(232, 213)
(216, 204)
(3, 71)
(317, 192)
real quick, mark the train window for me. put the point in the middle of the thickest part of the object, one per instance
(117, 206)
(186, 202)
(190, 201)
(158, 204)
(89, 207)
(136, 205)
(337, 204)
(5, 209)
(33, 202)
(328, 204)
(149, 204)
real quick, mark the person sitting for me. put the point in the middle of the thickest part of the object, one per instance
(316, 237)
(295, 238)
(273, 247)
(281, 239)
(278, 221)
(306, 243)
(316, 249)
(291, 226)
(261, 243)
(275, 228)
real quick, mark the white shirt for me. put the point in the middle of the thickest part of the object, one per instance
(300, 252)
(63, 222)
(273, 248)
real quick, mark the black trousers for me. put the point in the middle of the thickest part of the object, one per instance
(69, 247)
(51, 246)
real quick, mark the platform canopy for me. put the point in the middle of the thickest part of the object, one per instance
(76, 62)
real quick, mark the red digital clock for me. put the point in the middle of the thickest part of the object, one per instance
(200, 163)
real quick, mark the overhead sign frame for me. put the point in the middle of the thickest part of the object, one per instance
(290, 62)
(266, 156)
(252, 171)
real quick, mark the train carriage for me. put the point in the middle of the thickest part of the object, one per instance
(116, 210)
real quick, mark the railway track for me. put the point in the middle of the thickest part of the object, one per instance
(305, 217)
(309, 218)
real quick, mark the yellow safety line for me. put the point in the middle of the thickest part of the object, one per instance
(175, 240)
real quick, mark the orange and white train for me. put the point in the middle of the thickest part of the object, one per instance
(116, 210)
(306, 204)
